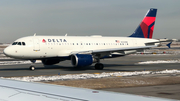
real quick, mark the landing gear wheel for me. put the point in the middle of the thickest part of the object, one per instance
(99, 66)
(32, 68)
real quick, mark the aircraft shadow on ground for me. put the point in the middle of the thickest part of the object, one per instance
(168, 48)
(118, 67)
(71, 68)
(51, 67)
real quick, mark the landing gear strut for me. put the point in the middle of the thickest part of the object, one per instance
(99, 66)
(32, 67)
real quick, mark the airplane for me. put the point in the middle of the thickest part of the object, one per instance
(12, 90)
(84, 50)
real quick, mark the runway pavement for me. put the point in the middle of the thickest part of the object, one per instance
(164, 91)
(126, 63)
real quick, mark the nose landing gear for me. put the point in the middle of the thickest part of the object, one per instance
(32, 67)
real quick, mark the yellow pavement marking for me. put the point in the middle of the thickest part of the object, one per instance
(96, 73)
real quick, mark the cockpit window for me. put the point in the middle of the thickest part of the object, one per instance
(19, 43)
(23, 43)
(14, 43)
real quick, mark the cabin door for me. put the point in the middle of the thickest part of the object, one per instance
(36, 45)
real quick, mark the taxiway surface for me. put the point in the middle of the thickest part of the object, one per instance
(164, 91)
(126, 63)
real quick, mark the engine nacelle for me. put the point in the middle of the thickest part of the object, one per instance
(50, 61)
(81, 60)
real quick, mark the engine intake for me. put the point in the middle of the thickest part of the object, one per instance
(81, 60)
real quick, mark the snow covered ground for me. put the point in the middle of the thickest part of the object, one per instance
(16, 62)
(159, 61)
(4, 57)
(90, 76)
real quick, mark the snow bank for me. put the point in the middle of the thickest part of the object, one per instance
(90, 76)
(16, 62)
(159, 61)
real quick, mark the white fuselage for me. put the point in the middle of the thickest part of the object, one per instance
(37, 47)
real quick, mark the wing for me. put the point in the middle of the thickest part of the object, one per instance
(168, 40)
(11, 90)
(120, 51)
(125, 50)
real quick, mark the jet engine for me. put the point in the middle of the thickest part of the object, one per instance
(50, 61)
(81, 60)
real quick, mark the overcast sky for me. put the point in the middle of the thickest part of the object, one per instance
(19, 18)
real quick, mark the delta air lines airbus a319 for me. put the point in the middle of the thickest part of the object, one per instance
(84, 50)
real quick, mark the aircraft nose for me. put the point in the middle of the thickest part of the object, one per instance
(7, 51)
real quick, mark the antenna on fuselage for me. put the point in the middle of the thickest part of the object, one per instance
(66, 34)
(34, 34)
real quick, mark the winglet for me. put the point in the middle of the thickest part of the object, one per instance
(169, 44)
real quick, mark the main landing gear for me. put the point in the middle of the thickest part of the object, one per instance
(32, 67)
(99, 66)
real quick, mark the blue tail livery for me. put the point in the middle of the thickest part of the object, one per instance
(146, 27)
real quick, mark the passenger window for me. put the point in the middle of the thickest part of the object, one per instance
(19, 43)
(23, 43)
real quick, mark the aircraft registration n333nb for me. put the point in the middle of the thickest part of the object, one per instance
(84, 50)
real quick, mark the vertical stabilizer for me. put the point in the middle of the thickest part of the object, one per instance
(146, 27)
